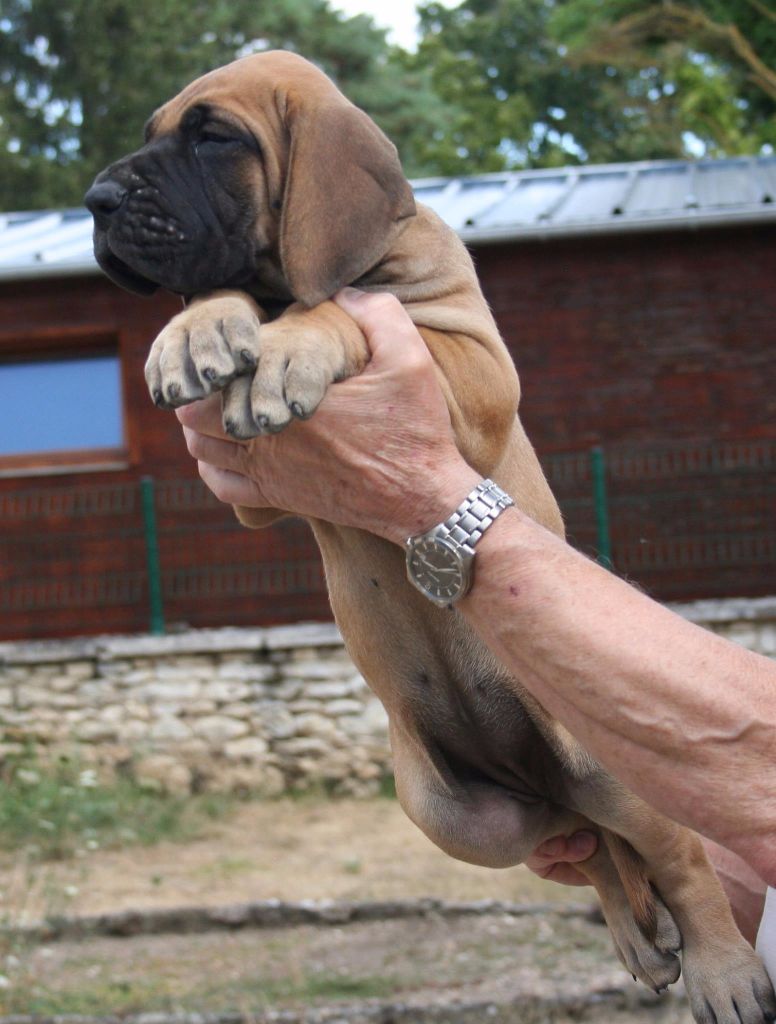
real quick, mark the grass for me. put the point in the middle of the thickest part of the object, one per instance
(149, 995)
(54, 811)
(114, 996)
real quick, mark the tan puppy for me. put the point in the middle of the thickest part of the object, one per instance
(262, 188)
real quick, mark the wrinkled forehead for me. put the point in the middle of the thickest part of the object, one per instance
(255, 90)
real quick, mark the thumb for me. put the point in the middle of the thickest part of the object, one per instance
(392, 337)
(569, 849)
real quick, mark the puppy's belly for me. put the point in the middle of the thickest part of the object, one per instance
(473, 768)
(474, 772)
(468, 814)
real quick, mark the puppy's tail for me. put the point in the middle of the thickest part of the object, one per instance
(633, 873)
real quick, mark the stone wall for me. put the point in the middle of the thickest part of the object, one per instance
(233, 709)
(227, 709)
(750, 622)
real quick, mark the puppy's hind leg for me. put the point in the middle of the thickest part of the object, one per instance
(645, 935)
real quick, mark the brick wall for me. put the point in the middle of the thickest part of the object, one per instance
(648, 337)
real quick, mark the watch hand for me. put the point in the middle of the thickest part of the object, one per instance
(433, 568)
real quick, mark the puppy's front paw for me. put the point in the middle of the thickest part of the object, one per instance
(300, 357)
(202, 349)
(294, 370)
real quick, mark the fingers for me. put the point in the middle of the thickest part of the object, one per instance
(563, 874)
(204, 417)
(554, 859)
(229, 487)
(390, 334)
(222, 454)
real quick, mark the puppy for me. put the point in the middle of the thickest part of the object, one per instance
(260, 192)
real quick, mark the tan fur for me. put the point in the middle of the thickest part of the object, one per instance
(480, 766)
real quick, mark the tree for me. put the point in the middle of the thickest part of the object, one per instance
(515, 100)
(494, 84)
(715, 58)
(80, 77)
(542, 82)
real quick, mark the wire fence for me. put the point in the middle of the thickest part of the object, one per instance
(683, 521)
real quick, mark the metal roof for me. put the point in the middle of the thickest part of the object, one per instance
(556, 202)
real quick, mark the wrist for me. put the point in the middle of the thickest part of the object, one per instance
(433, 501)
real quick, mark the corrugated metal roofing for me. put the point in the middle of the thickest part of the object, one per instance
(515, 205)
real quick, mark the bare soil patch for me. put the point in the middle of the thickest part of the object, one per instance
(290, 849)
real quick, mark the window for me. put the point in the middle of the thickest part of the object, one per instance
(60, 411)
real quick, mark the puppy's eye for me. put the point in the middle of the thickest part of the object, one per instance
(210, 140)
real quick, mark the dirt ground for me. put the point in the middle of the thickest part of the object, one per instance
(535, 968)
(285, 849)
(432, 961)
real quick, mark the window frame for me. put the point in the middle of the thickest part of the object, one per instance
(59, 343)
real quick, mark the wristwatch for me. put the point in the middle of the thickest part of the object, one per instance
(440, 562)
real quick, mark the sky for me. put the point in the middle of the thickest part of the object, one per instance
(396, 15)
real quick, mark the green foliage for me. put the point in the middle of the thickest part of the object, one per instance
(517, 100)
(80, 77)
(709, 62)
(52, 812)
(156, 994)
(544, 82)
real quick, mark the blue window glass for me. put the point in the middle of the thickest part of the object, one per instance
(62, 404)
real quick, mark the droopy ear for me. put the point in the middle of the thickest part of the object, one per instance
(345, 196)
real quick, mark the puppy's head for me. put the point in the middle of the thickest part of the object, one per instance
(259, 175)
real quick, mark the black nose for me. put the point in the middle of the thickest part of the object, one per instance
(105, 197)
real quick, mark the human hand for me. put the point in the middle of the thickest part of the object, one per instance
(555, 857)
(378, 454)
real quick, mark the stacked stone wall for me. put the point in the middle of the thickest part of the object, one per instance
(230, 709)
(264, 710)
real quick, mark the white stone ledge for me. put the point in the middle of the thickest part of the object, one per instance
(729, 609)
(195, 641)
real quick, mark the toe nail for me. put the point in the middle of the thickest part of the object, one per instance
(173, 391)
(209, 374)
(158, 398)
(230, 427)
(297, 410)
(247, 357)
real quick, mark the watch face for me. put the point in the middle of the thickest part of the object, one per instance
(437, 569)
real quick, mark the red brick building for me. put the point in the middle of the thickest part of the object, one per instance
(638, 301)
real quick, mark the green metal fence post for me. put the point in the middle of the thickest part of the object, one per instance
(604, 540)
(152, 556)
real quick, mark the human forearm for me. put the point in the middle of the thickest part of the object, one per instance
(653, 697)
